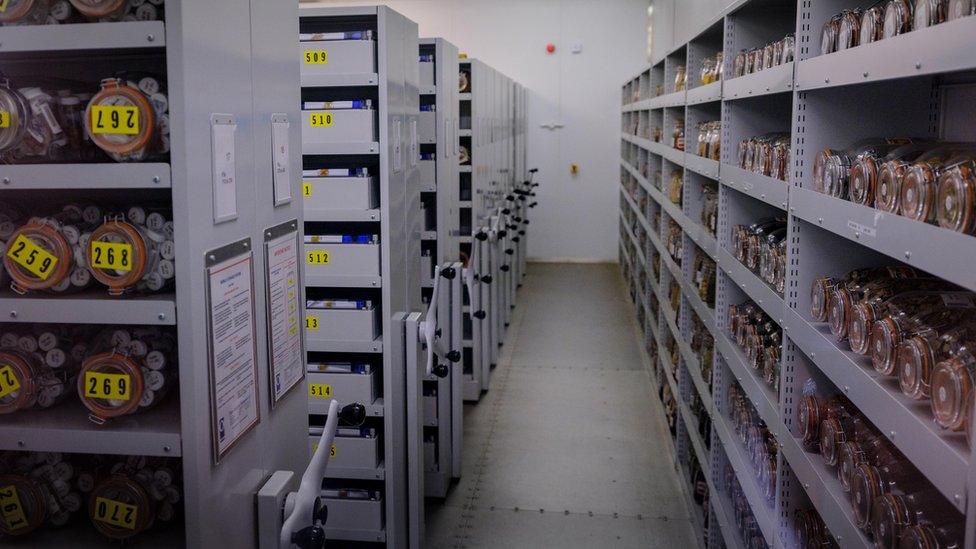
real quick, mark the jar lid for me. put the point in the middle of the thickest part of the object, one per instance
(952, 384)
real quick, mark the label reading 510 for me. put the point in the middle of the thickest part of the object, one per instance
(111, 255)
(116, 513)
(11, 509)
(108, 386)
(320, 119)
(32, 257)
(316, 57)
(115, 119)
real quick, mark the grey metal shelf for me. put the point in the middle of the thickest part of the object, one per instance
(941, 252)
(92, 306)
(464, 133)
(321, 407)
(358, 473)
(942, 457)
(778, 79)
(824, 490)
(81, 37)
(344, 80)
(941, 48)
(365, 536)
(704, 312)
(705, 94)
(356, 147)
(701, 165)
(761, 396)
(770, 190)
(428, 90)
(333, 281)
(149, 175)
(319, 346)
(317, 214)
(752, 285)
(673, 99)
(67, 428)
(696, 441)
(721, 512)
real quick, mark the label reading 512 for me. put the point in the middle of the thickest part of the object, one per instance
(11, 509)
(116, 513)
(111, 255)
(32, 257)
(115, 119)
(317, 257)
(320, 119)
(316, 57)
(108, 386)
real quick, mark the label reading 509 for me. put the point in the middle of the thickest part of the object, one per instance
(316, 57)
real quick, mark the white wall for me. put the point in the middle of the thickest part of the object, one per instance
(577, 216)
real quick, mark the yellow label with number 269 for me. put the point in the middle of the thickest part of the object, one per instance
(116, 513)
(31, 256)
(111, 255)
(108, 386)
(115, 119)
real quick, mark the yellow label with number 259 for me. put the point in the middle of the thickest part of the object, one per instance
(8, 380)
(11, 509)
(116, 513)
(320, 119)
(111, 255)
(115, 119)
(316, 57)
(108, 386)
(31, 256)
(317, 257)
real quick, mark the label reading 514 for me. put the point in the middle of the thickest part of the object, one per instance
(116, 513)
(108, 386)
(320, 119)
(11, 509)
(111, 255)
(320, 390)
(8, 380)
(115, 119)
(316, 57)
(32, 257)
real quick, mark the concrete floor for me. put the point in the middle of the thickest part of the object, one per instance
(569, 446)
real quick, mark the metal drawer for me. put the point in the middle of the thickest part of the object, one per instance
(342, 325)
(348, 388)
(340, 193)
(428, 169)
(427, 74)
(345, 260)
(348, 126)
(427, 127)
(355, 514)
(351, 452)
(344, 57)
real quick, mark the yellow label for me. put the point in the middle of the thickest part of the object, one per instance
(320, 390)
(11, 509)
(116, 513)
(4, 119)
(316, 57)
(111, 255)
(108, 386)
(115, 119)
(3, 5)
(312, 323)
(317, 257)
(320, 119)
(36, 259)
(332, 451)
(8, 381)
(306, 189)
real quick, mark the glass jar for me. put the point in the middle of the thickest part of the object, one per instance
(715, 141)
(822, 287)
(25, 12)
(889, 335)
(739, 64)
(849, 30)
(678, 135)
(703, 139)
(769, 56)
(867, 313)
(675, 184)
(135, 138)
(843, 301)
(707, 72)
(755, 60)
(920, 186)
(952, 388)
(871, 482)
(872, 25)
(960, 8)
(781, 157)
(828, 35)
(18, 118)
(679, 78)
(956, 201)
(866, 173)
(929, 13)
(917, 356)
(892, 514)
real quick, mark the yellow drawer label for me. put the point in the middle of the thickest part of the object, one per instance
(33, 257)
(306, 189)
(320, 390)
(115, 119)
(312, 323)
(11, 509)
(116, 513)
(332, 451)
(320, 119)
(3, 5)
(316, 57)
(108, 386)
(8, 380)
(4, 119)
(317, 257)
(111, 255)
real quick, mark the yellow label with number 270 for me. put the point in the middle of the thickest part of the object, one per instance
(320, 390)
(320, 119)
(108, 386)
(33, 257)
(8, 380)
(116, 256)
(11, 509)
(316, 57)
(116, 513)
(115, 119)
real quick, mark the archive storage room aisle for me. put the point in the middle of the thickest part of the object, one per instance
(569, 447)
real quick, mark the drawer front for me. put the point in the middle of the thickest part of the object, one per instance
(354, 514)
(339, 193)
(348, 388)
(426, 74)
(344, 260)
(342, 57)
(427, 127)
(428, 170)
(324, 325)
(339, 126)
(350, 452)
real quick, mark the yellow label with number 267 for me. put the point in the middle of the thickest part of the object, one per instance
(115, 119)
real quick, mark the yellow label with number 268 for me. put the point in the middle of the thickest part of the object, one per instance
(115, 119)
(111, 255)
(31, 256)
